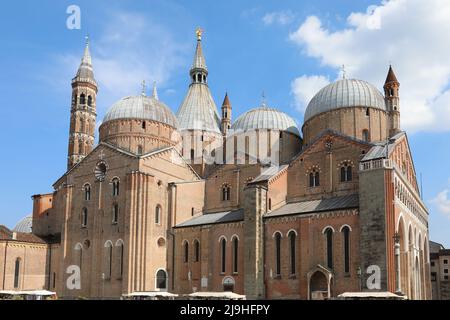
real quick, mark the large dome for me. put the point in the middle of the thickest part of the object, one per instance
(264, 117)
(343, 94)
(24, 225)
(141, 107)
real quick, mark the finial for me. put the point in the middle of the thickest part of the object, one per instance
(199, 33)
(263, 99)
(155, 92)
(343, 71)
(143, 87)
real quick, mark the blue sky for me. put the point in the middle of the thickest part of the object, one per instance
(288, 49)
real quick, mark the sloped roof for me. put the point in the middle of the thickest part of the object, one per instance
(214, 218)
(311, 206)
(6, 234)
(269, 173)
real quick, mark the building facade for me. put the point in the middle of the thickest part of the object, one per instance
(185, 202)
(439, 265)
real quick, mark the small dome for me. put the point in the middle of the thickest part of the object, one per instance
(343, 94)
(143, 108)
(24, 225)
(265, 117)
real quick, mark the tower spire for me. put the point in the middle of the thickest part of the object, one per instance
(199, 70)
(392, 98)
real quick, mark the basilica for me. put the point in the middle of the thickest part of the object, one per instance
(197, 201)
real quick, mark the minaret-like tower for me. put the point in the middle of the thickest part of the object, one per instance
(83, 111)
(226, 115)
(391, 95)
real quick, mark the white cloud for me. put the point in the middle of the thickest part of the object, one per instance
(305, 87)
(279, 17)
(410, 34)
(442, 202)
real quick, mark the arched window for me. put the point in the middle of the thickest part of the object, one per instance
(346, 172)
(186, 251)
(89, 101)
(158, 214)
(108, 259)
(161, 280)
(235, 254)
(365, 135)
(78, 255)
(82, 98)
(223, 252)
(144, 125)
(115, 213)
(329, 247)
(346, 234)
(292, 249)
(119, 250)
(87, 192)
(115, 187)
(84, 217)
(278, 254)
(226, 190)
(196, 251)
(139, 150)
(314, 178)
(17, 273)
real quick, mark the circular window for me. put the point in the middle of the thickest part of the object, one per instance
(87, 243)
(161, 242)
(100, 171)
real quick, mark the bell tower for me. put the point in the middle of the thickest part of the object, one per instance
(226, 115)
(391, 96)
(83, 111)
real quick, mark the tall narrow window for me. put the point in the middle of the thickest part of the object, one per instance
(292, 248)
(84, 217)
(121, 260)
(226, 190)
(197, 251)
(278, 254)
(89, 101)
(314, 178)
(54, 280)
(186, 251)
(346, 234)
(17, 273)
(140, 150)
(144, 125)
(223, 252)
(235, 254)
(346, 172)
(158, 214)
(82, 98)
(192, 154)
(115, 187)
(365, 135)
(161, 280)
(115, 213)
(329, 246)
(87, 192)
(367, 112)
(108, 264)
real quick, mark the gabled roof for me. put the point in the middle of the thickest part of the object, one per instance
(269, 173)
(214, 218)
(8, 235)
(312, 206)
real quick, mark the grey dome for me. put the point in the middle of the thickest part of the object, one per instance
(141, 107)
(265, 117)
(24, 225)
(345, 93)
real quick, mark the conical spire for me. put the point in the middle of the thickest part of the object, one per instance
(226, 100)
(85, 71)
(391, 76)
(199, 59)
(155, 91)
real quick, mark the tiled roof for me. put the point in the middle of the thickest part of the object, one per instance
(382, 149)
(214, 218)
(311, 206)
(6, 234)
(269, 173)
